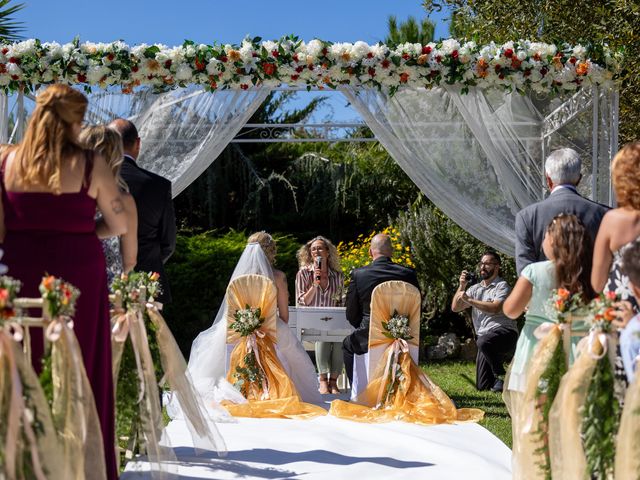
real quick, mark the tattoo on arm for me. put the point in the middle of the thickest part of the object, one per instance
(117, 206)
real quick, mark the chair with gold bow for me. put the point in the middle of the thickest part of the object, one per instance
(387, 298)
(253, 364)
(397, 389)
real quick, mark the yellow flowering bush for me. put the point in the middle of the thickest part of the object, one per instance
(355, 254)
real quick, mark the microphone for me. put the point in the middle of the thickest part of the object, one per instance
(318, 265)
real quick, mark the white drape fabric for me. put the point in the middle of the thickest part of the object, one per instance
(473, 155)
(182, 131)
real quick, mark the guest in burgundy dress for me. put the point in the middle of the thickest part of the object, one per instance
(50, 189)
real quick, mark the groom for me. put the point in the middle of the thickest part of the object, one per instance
(156, 217)
(363, 281)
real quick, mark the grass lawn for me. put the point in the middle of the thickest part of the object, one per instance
(457, 379)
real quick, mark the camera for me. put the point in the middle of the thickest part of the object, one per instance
(471, 278)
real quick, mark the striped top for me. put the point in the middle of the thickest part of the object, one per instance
(329, 297)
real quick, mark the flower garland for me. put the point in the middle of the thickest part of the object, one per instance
(246, 322)
(516, 65)
(9, 289)
(601, 411)
(397, 328)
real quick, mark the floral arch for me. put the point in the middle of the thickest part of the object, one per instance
(470, 124)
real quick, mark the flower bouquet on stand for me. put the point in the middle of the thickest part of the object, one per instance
(249, 376)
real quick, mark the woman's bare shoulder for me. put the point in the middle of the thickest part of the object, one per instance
(279, 275)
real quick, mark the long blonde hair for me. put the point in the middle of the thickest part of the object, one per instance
(267, 243)
(304, 254)
(107, 142)
(50, 137)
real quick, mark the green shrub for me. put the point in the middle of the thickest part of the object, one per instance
(199, 272)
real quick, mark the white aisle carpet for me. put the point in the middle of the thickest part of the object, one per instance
(331, 448)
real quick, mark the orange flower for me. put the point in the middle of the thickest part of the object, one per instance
(560, 305)
(234, 55)
(48, 282)
(346, 56)
(611, 295)
(422, 59)
(154, 276)
(610, 314)
(404, 77)
(563, 293)
(582, 68)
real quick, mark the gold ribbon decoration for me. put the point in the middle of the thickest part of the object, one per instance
(417, 399)
(627, 463)
(281, 399)
(27, 452)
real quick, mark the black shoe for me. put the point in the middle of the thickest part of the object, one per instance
(498, 386)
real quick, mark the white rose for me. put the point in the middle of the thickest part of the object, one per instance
(213, 66)
(579, 51)
(314, 48)
(359, 50)
(184, 72)
(449, 45)
(95, 73)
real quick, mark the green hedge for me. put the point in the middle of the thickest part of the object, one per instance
(199, 272)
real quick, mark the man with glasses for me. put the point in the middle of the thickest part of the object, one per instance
(496, 333)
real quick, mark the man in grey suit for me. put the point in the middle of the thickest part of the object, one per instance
(562, 171)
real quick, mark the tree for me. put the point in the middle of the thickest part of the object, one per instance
(409, 31)
(10, 29)
(614, 22)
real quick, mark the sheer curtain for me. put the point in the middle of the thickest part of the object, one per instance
(462, 152)
(182, 131)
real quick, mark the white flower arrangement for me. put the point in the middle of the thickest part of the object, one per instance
(246, 320)
(397, 327)
(514, 65)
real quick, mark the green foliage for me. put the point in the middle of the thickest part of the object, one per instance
(615, 22)
(548, 386)
(441, 250)
(250, 374)
(199, 272)
(600, 419)
(10, 29)
(409, 31)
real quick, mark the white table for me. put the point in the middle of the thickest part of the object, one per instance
(319, 324)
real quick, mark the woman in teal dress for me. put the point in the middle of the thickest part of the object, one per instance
(568, 246)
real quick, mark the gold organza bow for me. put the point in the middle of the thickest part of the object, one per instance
(627, 445)
(74, 411)
(275, 396)
(416, 398)
(29, 445)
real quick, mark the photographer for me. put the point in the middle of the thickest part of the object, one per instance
(496, 333)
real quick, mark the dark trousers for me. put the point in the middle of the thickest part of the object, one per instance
(355, 344)
(495, 348)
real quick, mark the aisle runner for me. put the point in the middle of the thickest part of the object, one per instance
(328, 447)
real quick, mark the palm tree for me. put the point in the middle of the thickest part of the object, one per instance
(409, 31)
(10, 30)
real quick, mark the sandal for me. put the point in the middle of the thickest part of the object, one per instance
(333, 384)
(324, 387)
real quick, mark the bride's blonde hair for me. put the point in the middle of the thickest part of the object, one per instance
(267, 243)
(50, 137)
(107, 142)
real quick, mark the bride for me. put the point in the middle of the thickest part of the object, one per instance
(207, 361)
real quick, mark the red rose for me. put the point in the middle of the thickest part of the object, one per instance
(371, 72)
(438, 58)
(310, 67)
(14, 60)
(223, 58)
(536, 57)
(385, 63)
(269, 68)
(295, 57)
(199, 64)
(406, 56)
(3, 68)
(81, 78)
(134, 69)
(15, 77)
(404, 77)
(454, 54)
(369, 55)
(275, 54)
(544, 71)
(508, 53)
(167, 64)
(110, 57)
(244, 86)
(299, 69)
(426, 50)
(497, 68)
(501, 76)
(5, 51)
(325, 51)
(295, 77)
(254, 55)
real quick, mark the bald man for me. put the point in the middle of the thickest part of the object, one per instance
(156, 217)
(363, 281)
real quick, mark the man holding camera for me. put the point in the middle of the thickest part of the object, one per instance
(496, 333)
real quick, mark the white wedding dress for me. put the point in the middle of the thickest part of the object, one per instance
(207, 362)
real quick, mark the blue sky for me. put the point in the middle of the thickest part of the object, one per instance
(229, 21)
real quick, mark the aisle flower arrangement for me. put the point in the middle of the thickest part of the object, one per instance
(515, 65)
(601, 411)
(398, 329)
